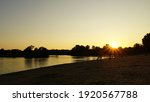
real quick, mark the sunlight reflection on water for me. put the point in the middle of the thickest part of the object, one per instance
(8, 65)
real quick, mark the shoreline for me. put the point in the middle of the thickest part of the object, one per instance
(26, 70)
(130, 70)
(39, 68)
(11, 65)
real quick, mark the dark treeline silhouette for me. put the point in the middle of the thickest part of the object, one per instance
(80, 50)
(135, 50)
(59, 52)
(107, 50)
(11, 53)
(30, 52)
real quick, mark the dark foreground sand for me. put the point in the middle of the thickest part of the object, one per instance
(131, 70)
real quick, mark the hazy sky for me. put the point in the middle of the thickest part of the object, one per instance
(64, 23)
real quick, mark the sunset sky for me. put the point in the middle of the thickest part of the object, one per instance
(61, 24)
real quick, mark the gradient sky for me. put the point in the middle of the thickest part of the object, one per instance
(61, 24)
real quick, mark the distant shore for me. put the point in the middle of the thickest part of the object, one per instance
(130, 70)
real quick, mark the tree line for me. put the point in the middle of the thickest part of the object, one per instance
(81, 50)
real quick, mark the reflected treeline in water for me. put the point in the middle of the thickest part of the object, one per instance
(8, 65)
(82, 58)
(40, 61)
(35, 62)
(80, 50)
(29, 63)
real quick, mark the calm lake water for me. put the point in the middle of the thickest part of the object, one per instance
(8, 65)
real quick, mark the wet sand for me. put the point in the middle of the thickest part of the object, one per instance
(130, 70)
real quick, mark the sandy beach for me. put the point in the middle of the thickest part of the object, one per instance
(129, 70)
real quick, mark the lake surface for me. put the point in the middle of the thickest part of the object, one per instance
(8, 65)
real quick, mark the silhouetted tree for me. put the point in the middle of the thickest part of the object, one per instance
(128, 51)
(146, 42)
(87, 47)
(29, 48)
(138, 49)
(2, 51)
(112, 52)
(120, 52)
(96, 51)
(80, 50)
(41, 52)
(28, 52)
(107, 51)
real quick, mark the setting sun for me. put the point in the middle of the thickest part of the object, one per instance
(114, 45)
